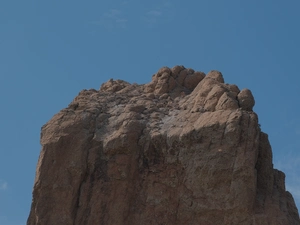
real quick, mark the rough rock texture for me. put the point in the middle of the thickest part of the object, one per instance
(184, 149)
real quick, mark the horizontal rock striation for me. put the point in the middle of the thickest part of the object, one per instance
(185, 148)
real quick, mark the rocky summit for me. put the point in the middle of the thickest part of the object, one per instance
(185, 148)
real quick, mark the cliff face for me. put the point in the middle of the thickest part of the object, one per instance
(184, 149)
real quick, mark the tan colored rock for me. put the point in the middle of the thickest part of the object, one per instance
(176, 70)
(216, 75)
(114, 85)
(234, 89)
(177, 81)
(181, 76)
(227, 102)
(191, 81)
(145, 154)
(246, 99)
(163, 70)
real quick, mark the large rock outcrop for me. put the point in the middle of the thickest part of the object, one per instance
(184, 149)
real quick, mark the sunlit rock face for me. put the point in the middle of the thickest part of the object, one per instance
(185, 148)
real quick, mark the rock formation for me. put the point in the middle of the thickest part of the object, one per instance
(184, 149)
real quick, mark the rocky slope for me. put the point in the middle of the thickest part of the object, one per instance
(184, 149)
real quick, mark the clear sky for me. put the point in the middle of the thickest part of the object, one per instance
(52, 49)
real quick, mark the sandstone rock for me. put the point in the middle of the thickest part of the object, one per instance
(114, 85)
(227, 102)
(246, 99)
(183, 149)
(176, 70)
(216, 75)
(234, 89)
(192, 81)
(163, 70)
(181, 76)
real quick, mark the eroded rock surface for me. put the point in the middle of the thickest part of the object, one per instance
(184, 149)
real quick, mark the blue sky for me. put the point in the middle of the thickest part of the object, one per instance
(50, 50)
